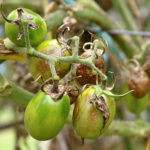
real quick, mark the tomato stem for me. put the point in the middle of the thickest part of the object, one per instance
(10, 91)
(55, 87)
(26, 36)
(69, 59)
(142, 55)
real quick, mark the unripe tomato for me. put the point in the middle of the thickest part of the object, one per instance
(88, 121)
(131, 102)
(39, 67)
(36, 36)
(86, 73)
(45, 117)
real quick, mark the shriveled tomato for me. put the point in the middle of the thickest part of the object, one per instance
(45, 117)
(132, 103)
(86, 74)
(93, 113)
(39, 67)
(139, 82)
(36, 36)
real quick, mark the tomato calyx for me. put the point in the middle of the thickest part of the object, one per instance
(57, 91)
(22, 18)
(48, 89)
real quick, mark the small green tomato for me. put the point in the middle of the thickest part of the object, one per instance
(36, 36)
(45, 117)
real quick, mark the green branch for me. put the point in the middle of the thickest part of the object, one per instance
(128, 19)
(138, 128)
(14, 93)
(68, 59)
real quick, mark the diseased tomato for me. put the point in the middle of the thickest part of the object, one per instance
(139, 82)
(93, 114)
(86, 73)
(39, 67)
(45, 117)
(132, 103)
(36, 36)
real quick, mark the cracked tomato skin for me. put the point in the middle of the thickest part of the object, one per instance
(88, 121)
(39, 67)
(36, 36)
(45, 117)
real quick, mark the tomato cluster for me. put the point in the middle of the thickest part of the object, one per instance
(48, 110)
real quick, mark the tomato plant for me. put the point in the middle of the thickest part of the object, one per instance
(36, 36)
(45, 117)
(39, 67)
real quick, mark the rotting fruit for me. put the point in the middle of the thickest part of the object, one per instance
(39, 67)
(45, 116)
(36, 35)
(139, 82)
(134, 104)
(87, 76)
(93, 113)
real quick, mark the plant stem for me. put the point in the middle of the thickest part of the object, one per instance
(94, 50)
(17, 94)
(76, 49)
(145, 49)
(128, 19)
(68, 59)
(26, 36)
(137, 128)
(9, 125)
(53, 70)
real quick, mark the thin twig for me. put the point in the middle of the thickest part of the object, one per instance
(136, 12)
(9, 125)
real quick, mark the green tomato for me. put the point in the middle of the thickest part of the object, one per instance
(45, 117)
(88, 121)
(40, 67)
(132, 102)
(36, 36)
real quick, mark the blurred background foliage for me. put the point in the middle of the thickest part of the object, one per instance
(13, 135)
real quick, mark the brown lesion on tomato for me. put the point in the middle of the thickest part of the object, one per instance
(42, 66)
(72, 92)
(101, 105)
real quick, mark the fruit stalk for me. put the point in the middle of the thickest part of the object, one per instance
(26, 36)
